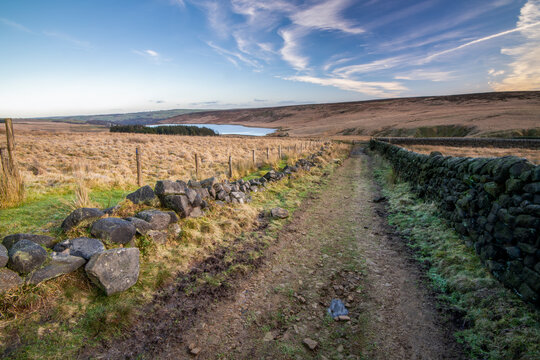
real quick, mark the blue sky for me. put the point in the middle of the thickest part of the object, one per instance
(62, 57)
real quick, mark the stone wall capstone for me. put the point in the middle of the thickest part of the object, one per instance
(493, 202)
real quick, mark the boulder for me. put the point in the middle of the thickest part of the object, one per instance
(167, 187)
(141, 226)
(175, 229)
(114, 270)
(44, 240)
(178, 203)
(115, 230)
(82, 247)
(194, 184)
(270, 175)
(209, 183)
(9, 279)
(174, 217)
(144, 195)
(26, 256)
(159, 220)
(60, 264)
(4, 258)
(279, 213)
(81, 217)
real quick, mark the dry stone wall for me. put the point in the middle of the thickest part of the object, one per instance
(493, 202)
(465, 142)
(110, 257)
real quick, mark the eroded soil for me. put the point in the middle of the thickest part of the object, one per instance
(337, 246)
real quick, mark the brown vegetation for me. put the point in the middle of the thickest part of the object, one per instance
(530, 154)
(51, 159)
(478, 114)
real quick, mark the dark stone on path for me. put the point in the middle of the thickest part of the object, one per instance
(4, 258)
(114, 270)
(279, 213)
(143, 195)
(26, 256)
(81, 217)
(159, 220)
(60, 264)
(168, 187)
(115, 230)
(82, 247)
(9, 279)
(44, 240)
(178, 203)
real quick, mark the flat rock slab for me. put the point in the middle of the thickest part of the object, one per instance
(114, 270)
(44, 240)
(157, 236)
(82, 247)
(9, 279)
(81, 217)
(4, 258)
(26, 256)
(116, 230)
(279, 213)
(159, 220)
(60, 264)
(168, 187)
(143, 195)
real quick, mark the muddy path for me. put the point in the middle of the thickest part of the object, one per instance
(336, 246)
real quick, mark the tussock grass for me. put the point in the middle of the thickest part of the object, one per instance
(495, 323)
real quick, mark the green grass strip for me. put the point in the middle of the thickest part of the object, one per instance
(495, 322)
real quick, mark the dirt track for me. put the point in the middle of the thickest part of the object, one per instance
(336, 246)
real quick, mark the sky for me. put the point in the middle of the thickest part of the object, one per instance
(68, 57)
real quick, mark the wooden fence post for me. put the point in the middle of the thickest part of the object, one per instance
(196, 166)
(10, 148)
(280, 152)
(267, 153)
(139, 166)
(230, 166)
(253, 157)
(5, 162)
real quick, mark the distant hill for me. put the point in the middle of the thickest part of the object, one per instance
(137, 118)
(504, 114)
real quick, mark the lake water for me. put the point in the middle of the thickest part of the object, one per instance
(229, 129)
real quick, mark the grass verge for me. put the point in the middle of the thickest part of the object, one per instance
(494, 322)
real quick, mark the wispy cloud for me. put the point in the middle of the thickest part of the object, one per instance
(290, 51)
(377, 89)
(15, 25)
(69, 39)
(180, 3)
(326, 16)
(477, 41)
(233, 56)
(494, 72)
(525, 69)
(422, 74)
(151, 55)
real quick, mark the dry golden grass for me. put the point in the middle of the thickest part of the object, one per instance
(102, 159)
(530, 154)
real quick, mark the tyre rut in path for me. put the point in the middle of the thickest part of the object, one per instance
(337, 245)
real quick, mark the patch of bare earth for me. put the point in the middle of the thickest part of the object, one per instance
(336, 246)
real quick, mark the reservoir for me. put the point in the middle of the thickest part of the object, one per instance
(229, 129)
